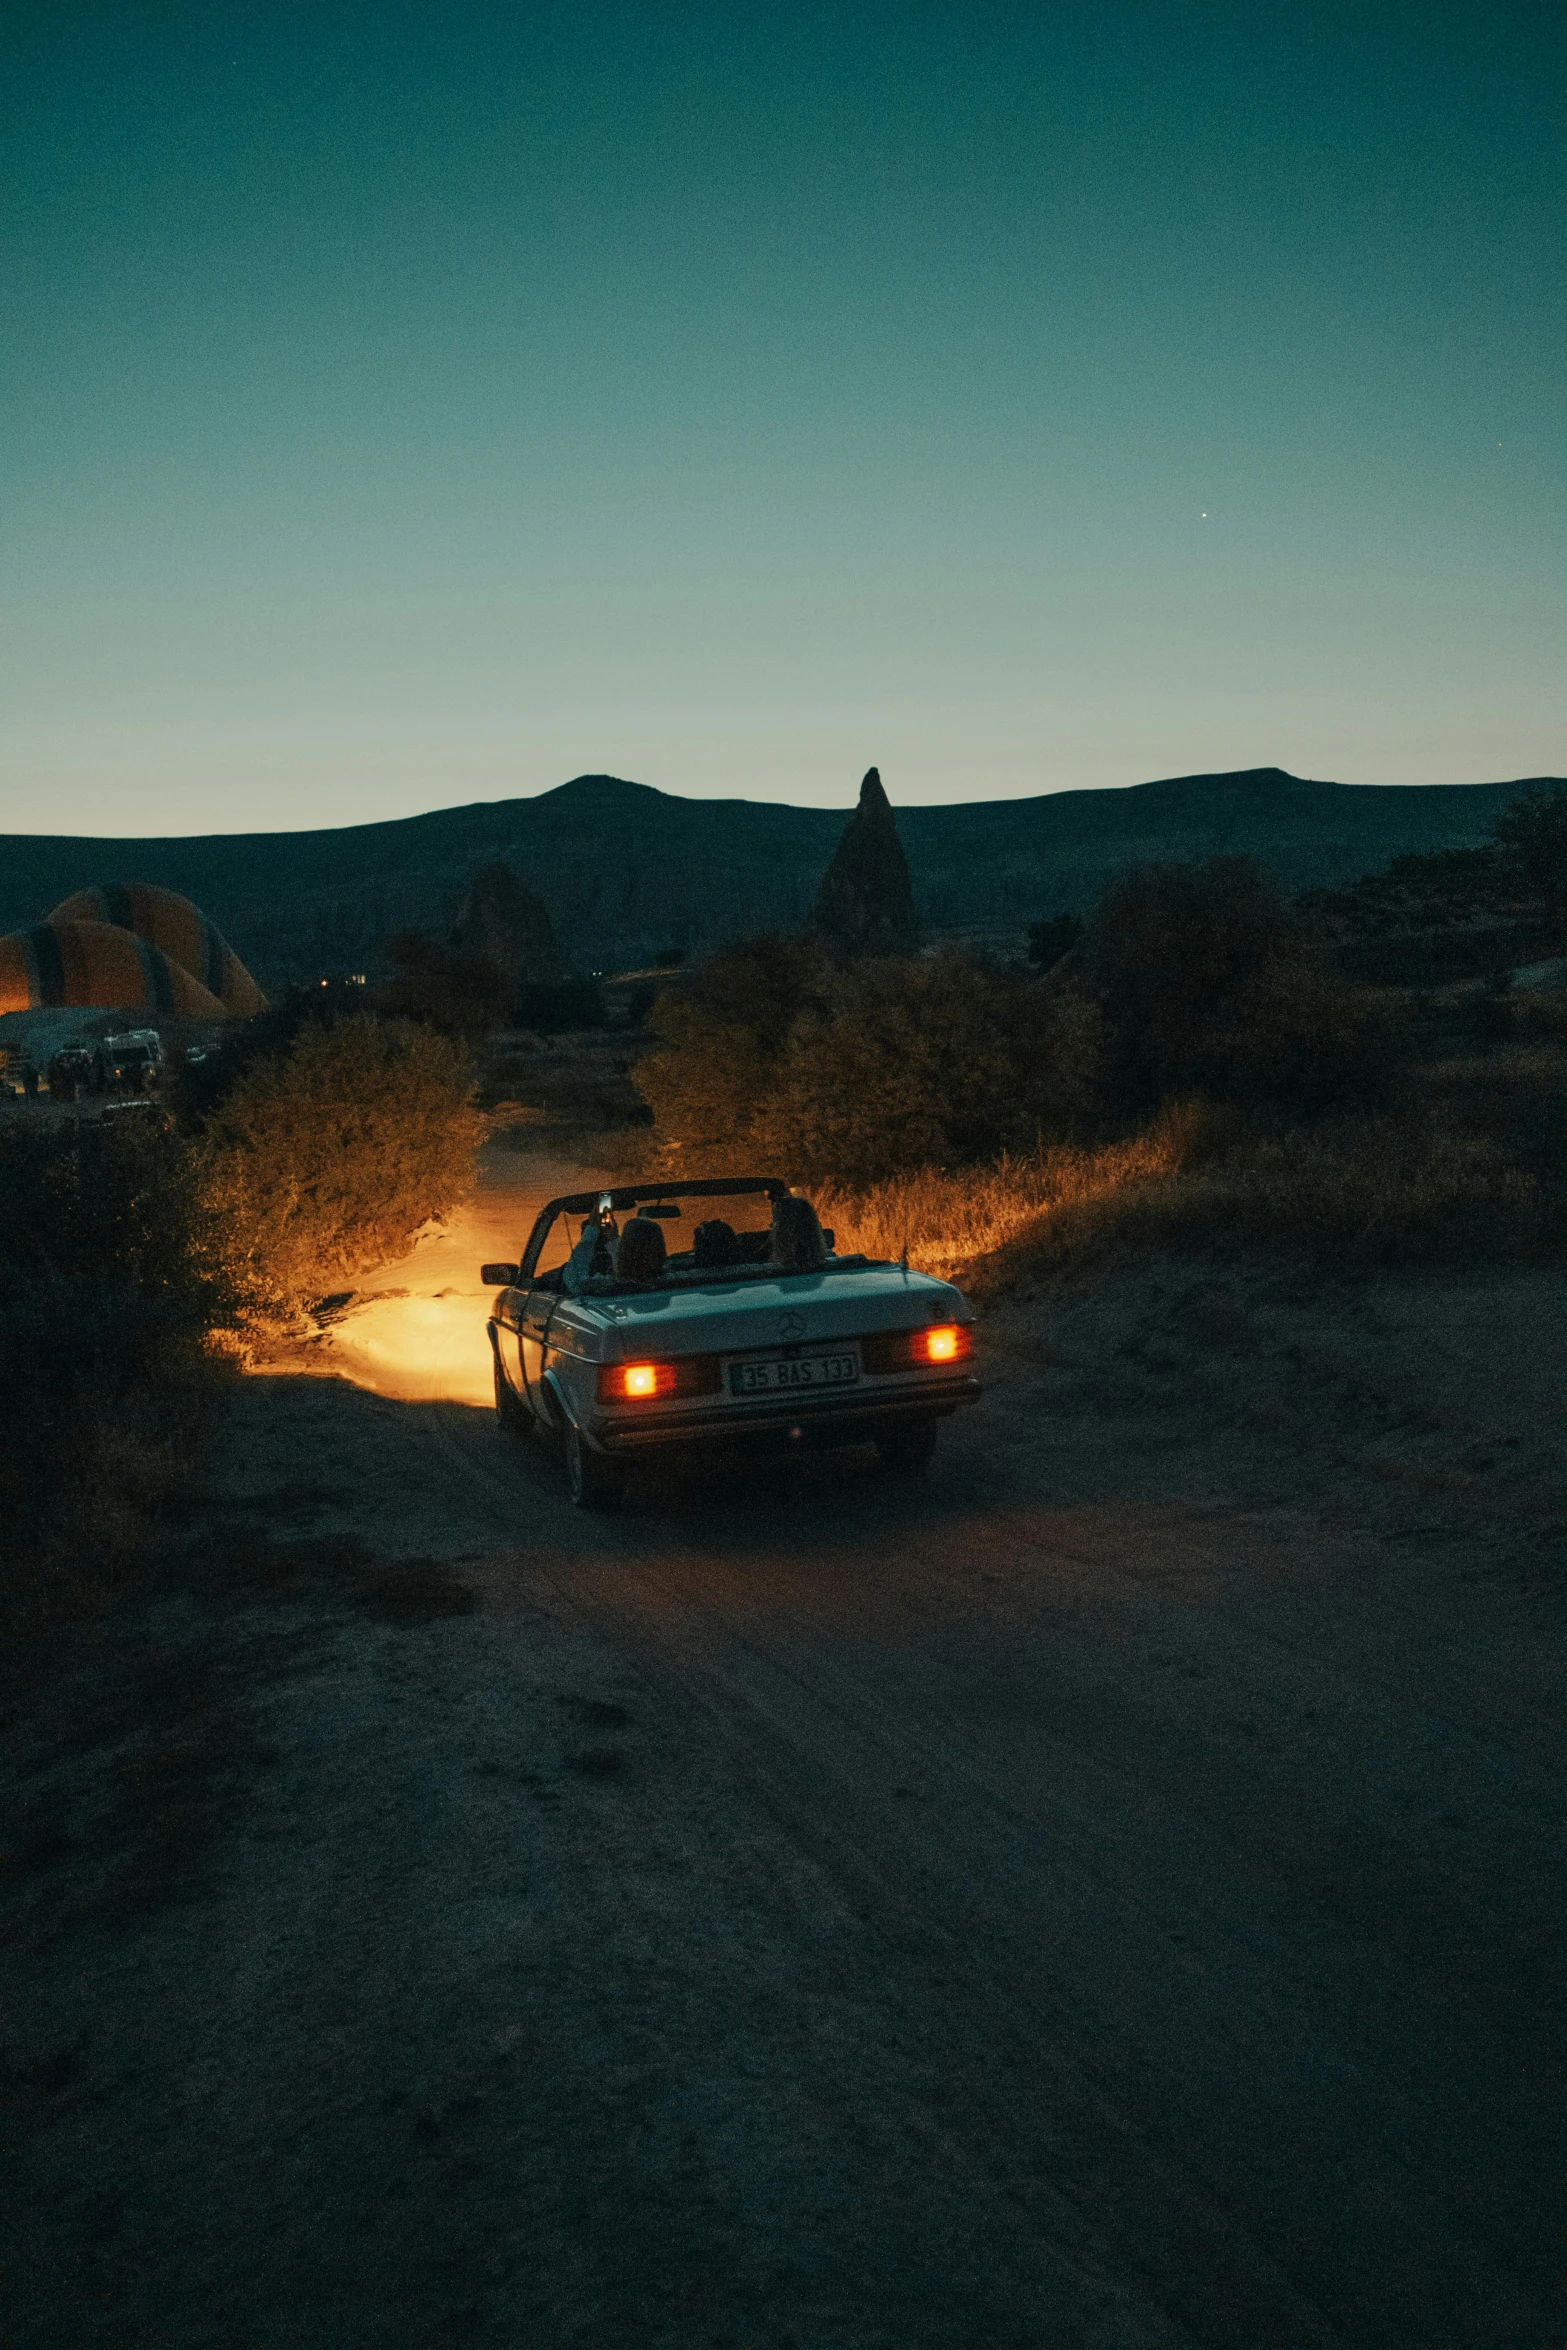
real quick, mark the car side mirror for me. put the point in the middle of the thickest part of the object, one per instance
(498, 1276)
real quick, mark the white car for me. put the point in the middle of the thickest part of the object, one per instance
(723, 1345)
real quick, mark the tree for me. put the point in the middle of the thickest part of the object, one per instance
(724, 1036)
(926, 1061)
(866, 901)
(816, 1068)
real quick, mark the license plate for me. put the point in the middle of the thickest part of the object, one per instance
(808, 1371)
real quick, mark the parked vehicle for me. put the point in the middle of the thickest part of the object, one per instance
(719, 1336)
(131, 1063)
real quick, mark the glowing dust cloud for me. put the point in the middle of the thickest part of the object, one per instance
(416, 1329)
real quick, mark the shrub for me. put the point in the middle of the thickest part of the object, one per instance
(1304, 1039)
(324, 1157)
(724, 1037)
(944, 1221)
(1346, 1192)
(930, 1062)
(856, 1072)
(110, 1292)
(1170, 954)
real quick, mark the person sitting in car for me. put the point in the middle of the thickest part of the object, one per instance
(798, 1243)
(590, 1264)
(640, 1252)
(715, 1243)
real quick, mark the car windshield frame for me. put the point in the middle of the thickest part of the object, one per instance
(615, 1199)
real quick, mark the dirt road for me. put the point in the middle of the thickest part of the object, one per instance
(1111, 1895)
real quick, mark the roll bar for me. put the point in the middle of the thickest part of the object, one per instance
(616, 1197)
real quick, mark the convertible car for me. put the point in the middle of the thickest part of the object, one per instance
(722, 1338)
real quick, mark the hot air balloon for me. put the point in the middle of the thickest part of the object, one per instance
(86, 963)
(181, 930)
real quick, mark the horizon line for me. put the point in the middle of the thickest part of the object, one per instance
(932, 807)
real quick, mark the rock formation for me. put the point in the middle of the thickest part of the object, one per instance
(865, 905)
(509, 924)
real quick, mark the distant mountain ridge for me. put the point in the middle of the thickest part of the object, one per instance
(626, 869)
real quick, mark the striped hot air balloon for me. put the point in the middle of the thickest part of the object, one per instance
(181, 930)
(87, 963)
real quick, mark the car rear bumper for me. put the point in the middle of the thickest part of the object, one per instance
(824, 1419)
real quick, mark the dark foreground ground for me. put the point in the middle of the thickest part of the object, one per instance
(1111, 1896)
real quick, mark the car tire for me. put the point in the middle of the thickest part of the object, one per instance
(508, 1411)
(595, 1484)
(910, 1449)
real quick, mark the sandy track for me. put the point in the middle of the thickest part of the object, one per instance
(1110, 1896)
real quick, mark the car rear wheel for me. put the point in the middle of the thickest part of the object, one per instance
(595, 1483)
(908, 1449)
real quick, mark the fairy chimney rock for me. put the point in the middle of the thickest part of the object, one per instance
(866, 904)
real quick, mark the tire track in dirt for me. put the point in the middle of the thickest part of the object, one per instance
(819, 1708)
(803, 1753)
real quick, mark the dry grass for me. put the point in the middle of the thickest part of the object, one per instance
(1473, 1166)
(947, 1221)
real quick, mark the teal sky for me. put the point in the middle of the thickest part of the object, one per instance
(405, 405)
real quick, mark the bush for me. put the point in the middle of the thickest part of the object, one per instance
(110, 1291)
(724, 1038)
(1170, 954)
(1303, 1039)
(931, 1062)
(857, 1072)
(324, 1157)
(944, 1221)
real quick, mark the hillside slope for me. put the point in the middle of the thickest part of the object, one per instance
(627, 869)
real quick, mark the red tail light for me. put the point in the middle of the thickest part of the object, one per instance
(635, 1382)
(642, 1382)
(912, 1350)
